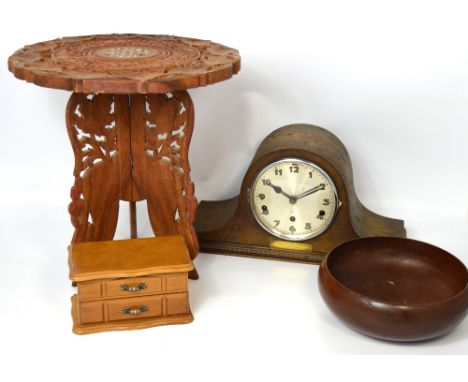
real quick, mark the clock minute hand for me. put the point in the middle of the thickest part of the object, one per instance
(321, 186)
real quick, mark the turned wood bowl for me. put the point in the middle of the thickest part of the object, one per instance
(394, 288)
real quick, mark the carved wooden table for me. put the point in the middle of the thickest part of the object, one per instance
(130, 121)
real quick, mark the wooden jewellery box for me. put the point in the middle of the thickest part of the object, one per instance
(130, 284)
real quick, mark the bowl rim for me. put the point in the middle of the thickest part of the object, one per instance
(324, 265)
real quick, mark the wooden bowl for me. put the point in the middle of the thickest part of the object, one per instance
(395, 289)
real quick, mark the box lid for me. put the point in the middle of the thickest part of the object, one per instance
(128, 258)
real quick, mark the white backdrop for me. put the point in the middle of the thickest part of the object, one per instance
(389, 78)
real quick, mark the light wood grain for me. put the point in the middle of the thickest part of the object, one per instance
(130, 284)
(128, 324)
(128, 258)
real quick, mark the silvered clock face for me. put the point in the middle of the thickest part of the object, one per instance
(293, 199)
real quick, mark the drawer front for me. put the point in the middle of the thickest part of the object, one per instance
(134, 308)
(135, 286)
(91, 312)
(177, 303)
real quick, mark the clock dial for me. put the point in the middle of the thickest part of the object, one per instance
(293, 199)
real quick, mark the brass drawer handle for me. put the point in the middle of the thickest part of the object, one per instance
(135, 311)
(128, 288)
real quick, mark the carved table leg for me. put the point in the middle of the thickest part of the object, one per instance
(132, 148)
(93, 127)
(161, 129)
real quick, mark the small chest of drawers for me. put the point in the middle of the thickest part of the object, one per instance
(130, 284)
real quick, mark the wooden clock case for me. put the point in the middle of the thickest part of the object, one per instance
(229, 227)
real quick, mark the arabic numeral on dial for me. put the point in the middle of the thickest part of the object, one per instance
(266, 182)
(292, 229)
(294, 168)
(277, 222)
(308, 226)
(310, 174)
(326, 202)
(278, 171)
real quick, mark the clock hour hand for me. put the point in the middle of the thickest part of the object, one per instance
(279, 190)
(321, 186)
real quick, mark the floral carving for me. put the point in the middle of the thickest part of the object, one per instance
(93, 134)
(125, 63)
(168, 126)
(97, 145)
(132, 142)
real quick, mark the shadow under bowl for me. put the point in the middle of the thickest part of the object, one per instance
(395, 289)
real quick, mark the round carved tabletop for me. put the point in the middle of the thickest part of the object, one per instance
(124, 63)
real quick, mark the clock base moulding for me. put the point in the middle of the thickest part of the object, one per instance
(229, 226)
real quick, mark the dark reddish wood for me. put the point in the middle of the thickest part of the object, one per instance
(137, 144)
(94, 124)
(133, 221)
(129, 93)
(126, 184)
(162, 126)
(124, 63)
(229, 227)
(394, 288)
